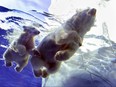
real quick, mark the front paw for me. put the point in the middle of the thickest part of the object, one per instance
(8, 64)
(60, 56)
(38, 73)
(45, 74)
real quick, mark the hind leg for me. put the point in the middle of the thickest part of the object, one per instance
(7, 58)
(21, 65)
(37, 72)
(45, 73)
(37, 64)
(51, 68)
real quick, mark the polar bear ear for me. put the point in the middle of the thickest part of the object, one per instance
(25, 28)
(28, 28)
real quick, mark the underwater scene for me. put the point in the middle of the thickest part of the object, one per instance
(57, 43)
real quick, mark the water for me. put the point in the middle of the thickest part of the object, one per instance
(14, 14)
(90, 64)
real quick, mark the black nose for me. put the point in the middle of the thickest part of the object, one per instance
(92, 12)
(38, 32)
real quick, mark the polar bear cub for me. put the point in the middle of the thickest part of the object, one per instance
(61, 44)
(19, 50)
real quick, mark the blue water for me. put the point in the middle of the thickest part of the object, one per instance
(93, 58)
(8, 76)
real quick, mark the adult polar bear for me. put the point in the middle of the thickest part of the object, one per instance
(61, 44)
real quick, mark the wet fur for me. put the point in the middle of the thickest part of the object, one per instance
(61, 44)
(19, 50)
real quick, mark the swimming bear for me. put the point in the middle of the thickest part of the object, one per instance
(18, 51)
(62, 43)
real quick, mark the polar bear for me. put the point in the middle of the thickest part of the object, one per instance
(19, 50)
(62, 43)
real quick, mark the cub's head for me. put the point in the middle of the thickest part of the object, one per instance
(83, 20)
(31, 30)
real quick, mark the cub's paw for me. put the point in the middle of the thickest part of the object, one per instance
(18, 69)
(8, 64)
(60, 55)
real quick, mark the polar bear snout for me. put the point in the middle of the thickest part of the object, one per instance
(92, 12)
(37, 32)
(31, 30)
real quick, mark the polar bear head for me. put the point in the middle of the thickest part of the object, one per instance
(31, 30)
(82, 21)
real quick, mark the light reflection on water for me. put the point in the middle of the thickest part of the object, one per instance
(93, 57)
